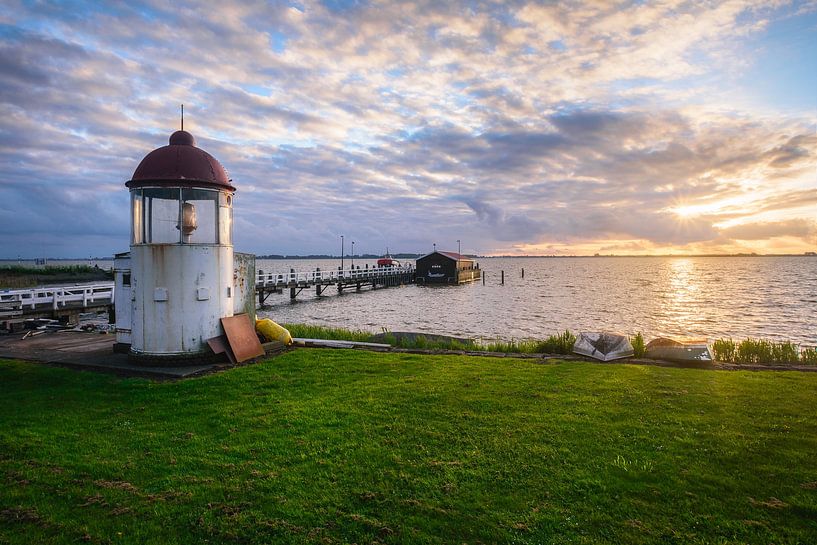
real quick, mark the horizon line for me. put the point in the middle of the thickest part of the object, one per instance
(408, 255)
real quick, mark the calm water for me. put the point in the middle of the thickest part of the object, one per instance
(711, 297)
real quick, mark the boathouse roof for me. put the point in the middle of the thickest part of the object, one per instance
(180, 163)
(451, 255)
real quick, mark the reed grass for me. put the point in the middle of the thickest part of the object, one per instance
(809, 356)
(749, 351)
(513, 346)
(47, 270)
(785, 352)
(307, 331)
(725, 350)
(18, 276)
(421, 342)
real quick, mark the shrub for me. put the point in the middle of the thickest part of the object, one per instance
(755, 351)
(785, 352)
(639, 348)
(558, 344)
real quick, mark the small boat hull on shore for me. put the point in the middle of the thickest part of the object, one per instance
(681, 351)
(603, 346)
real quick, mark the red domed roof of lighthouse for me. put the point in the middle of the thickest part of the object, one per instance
(180, 163)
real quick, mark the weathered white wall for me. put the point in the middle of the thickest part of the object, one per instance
(123, 306)
(244, 281)
(180, 293)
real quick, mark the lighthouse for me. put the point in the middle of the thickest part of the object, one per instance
(178, 280)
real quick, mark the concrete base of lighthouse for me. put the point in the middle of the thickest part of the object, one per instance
(179, 294)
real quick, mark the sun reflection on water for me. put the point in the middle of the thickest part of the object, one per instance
(683, 295)
(683, 282)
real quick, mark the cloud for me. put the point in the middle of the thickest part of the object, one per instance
(522, 125)
(799, 228)
(504, 225)
(796, 149)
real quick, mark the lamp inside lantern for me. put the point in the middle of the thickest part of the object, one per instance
(189, 222)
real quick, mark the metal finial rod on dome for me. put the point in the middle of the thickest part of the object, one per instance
(182, 116)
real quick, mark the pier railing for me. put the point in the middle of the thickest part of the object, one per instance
(318, 276)
(18, 301)
(12, 301)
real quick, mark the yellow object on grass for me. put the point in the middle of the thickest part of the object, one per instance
(272, 331)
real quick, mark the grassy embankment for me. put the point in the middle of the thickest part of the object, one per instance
(555, 344)
(751, 351)
(16, 276)
(340, 446)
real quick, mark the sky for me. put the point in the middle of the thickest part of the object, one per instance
(519, 128)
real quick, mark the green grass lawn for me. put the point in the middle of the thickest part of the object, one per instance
(336, 446)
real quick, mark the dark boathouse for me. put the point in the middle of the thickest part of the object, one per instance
(446, 268)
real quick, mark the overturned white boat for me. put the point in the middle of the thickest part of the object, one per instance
(603, 346)
(678, 350)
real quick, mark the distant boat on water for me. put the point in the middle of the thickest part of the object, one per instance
(387, 261)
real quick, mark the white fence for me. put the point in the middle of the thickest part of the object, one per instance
(16, 301)
(330, 276)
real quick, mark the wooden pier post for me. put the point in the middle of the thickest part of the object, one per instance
(523, 272)
(503, 278)
(483, 277)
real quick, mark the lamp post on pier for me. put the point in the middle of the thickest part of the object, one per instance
(353, 254)
(459, 250)
(341, 253)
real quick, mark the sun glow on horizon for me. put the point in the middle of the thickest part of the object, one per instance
(740, 204)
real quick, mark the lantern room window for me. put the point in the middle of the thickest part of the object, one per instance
(198, 214)
(137, 225)
(181, 215)
(161, 208)
(225, 218)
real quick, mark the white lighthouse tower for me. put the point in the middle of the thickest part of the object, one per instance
(181, 253)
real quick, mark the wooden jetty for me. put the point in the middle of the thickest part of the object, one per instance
(65, 303)
(269, 283)
(62, 302)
